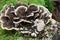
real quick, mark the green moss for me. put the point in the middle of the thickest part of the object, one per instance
(49, 5)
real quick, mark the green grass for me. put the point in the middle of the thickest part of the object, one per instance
(3, 2)
(49, 5)
(13, 34)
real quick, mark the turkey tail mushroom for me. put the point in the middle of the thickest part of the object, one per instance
(33, 8)
(6, 7)
(20, 4)
(8, 26)
(31, 19)
(20, 11)
(10, 12)
(4, 19)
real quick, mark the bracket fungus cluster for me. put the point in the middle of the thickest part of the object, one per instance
(28, 19)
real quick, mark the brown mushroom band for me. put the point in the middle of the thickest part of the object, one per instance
(35, 20)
